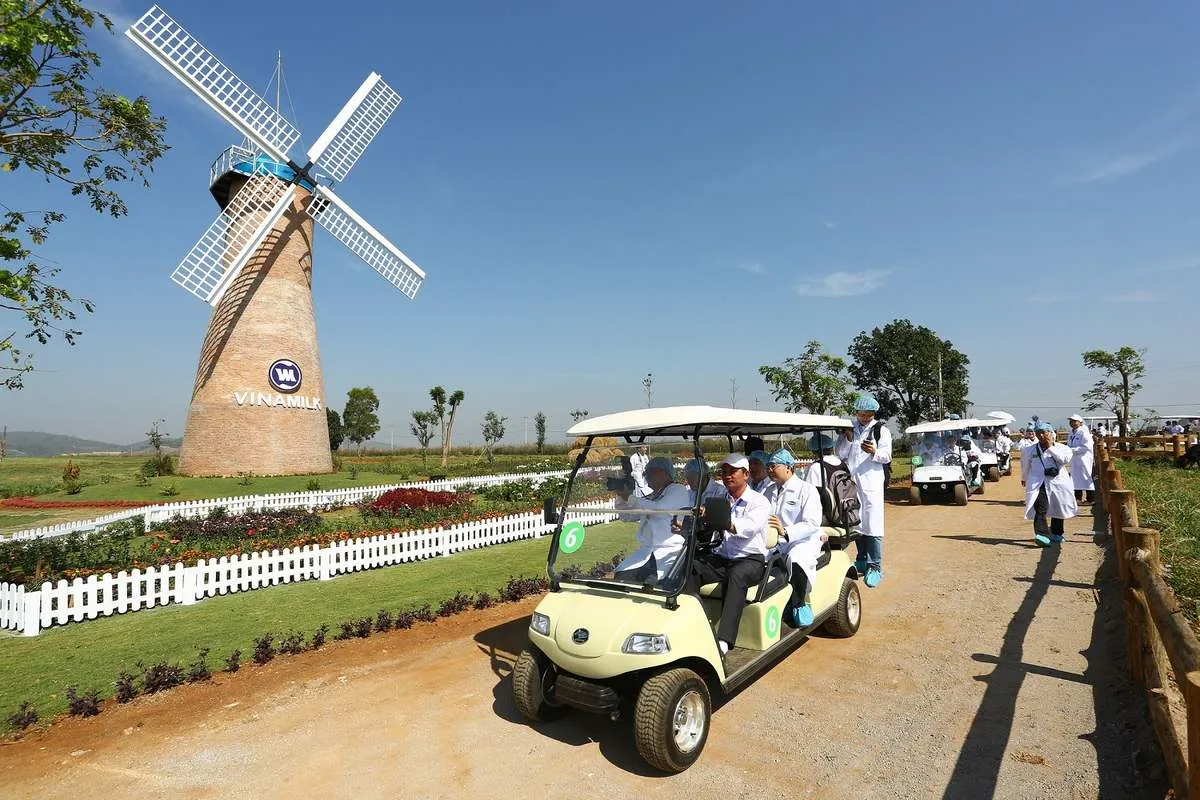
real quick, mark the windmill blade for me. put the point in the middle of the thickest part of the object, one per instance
(341, 144)
(210, 267)
(332, 214)
(180, 54)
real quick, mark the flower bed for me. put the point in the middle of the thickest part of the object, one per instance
(35, 504)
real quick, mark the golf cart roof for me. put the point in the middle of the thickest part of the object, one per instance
(953, 425)
(1003, 416)
(711, 420)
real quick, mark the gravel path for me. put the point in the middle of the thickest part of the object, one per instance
(985, 667)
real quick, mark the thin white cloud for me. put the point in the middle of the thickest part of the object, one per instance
(827, 225)
(1139, 296)
(753, 267)
(842, 284)
(1128, 163)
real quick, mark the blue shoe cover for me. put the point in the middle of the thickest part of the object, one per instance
(874, 577)
(802, 616)
(1056, 538)
(1041, 539)
(860, 564)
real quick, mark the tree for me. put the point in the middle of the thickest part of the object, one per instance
(440, 406)
(336, 432)
(648, 388)
(899, 364)
(424, 428)
(539, 424)
(493, 431)
(57, 123)
(814, 381)
(578, 414)
(1127, 366)
(359, 420)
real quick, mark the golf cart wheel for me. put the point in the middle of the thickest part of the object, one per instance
(532, 680)
(848, 613)
(979, 488)
(914, 495)
(671, 719)
(993, 473)
(960, 494)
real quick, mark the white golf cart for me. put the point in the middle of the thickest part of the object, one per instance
(641, 642)
(942, 467)
(992, 462)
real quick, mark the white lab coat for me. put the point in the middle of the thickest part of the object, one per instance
(1082, 458)
(798, 507)
(867, 471)
(761, 486)
(1003, 444)
(639, 462)
(1024, 444)
(1060, 491)
(654, 534)
(749, 513)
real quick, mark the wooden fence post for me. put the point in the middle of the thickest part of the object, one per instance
(1120, 500)
(1190, 686)
(1177, 447)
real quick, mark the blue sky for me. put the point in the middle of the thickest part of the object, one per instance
(692, 190)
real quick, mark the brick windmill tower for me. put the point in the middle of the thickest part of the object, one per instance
(258, 401)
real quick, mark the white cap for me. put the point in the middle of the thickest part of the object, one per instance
(737, 461)
(1076, 417)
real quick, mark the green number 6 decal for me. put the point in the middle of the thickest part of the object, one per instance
(571, 538)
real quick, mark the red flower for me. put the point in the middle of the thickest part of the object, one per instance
(154, 546)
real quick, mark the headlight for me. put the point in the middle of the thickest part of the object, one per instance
(646, 644)
(540, 623)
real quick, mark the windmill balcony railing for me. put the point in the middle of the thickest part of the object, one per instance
(234, 154)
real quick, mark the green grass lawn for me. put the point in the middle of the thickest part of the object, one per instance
(91, 653)
(1169, 501)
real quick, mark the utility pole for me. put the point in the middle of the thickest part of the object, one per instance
(733, 392)
(525, 423)
(941, 400)
(647, 382)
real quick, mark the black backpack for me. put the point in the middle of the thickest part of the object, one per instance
(846, 512)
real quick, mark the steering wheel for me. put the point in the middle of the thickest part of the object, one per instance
(951, 460)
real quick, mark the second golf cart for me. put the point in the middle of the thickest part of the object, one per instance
(641, 642)
(946, 464)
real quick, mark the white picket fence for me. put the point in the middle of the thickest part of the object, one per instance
(103, 595)
(157, 514)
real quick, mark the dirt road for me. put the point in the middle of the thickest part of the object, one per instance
(985, 667)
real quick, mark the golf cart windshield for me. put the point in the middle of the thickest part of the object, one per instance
(628, 520)
(938, 443)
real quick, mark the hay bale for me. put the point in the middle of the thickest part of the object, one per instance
(604, 450)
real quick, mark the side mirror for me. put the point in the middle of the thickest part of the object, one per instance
(549, 514)
(917, 461)
(716, 514)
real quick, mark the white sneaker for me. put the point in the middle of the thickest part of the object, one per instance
(723, 646)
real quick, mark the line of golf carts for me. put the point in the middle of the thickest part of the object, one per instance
(953, 458)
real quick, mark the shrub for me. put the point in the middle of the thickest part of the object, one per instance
(27, 715)
(126, 687)
(198, 670)
(72, 487)
(313, 485)
(86, 706)
(70, 472)
(106, 478)
(362, 628)
(245, 478)
(484, 600)
(170, 490)
(264, 648)
(345, 630)
(383, 622)
(337, 463)
(520, 588)
(405, 620)
(157, 466)
(318, 637)
(161, 676)
(354, 472)
(407, 502)
(234, 662)
(454, 605)
(521, 491)
(424, 614)
(141, 480)
(292, 644)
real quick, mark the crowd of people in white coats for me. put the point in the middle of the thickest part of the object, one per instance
(1057, 477)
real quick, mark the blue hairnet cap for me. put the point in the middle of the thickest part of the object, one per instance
(820, 441)
(966, 437)
(663, 463)
(866, 402)
(781, 456)
(760, 456)
(695, 467)
(1043, 426)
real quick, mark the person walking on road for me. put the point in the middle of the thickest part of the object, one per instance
(1049, 491)
(1082, 458)
(866, 448)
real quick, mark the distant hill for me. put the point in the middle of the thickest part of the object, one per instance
(36, 443)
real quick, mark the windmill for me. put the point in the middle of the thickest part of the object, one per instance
(257, 403)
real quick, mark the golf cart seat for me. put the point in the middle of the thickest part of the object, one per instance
(774, 579)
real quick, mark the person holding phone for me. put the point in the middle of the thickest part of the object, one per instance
(1049, 491)
(866, 447)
